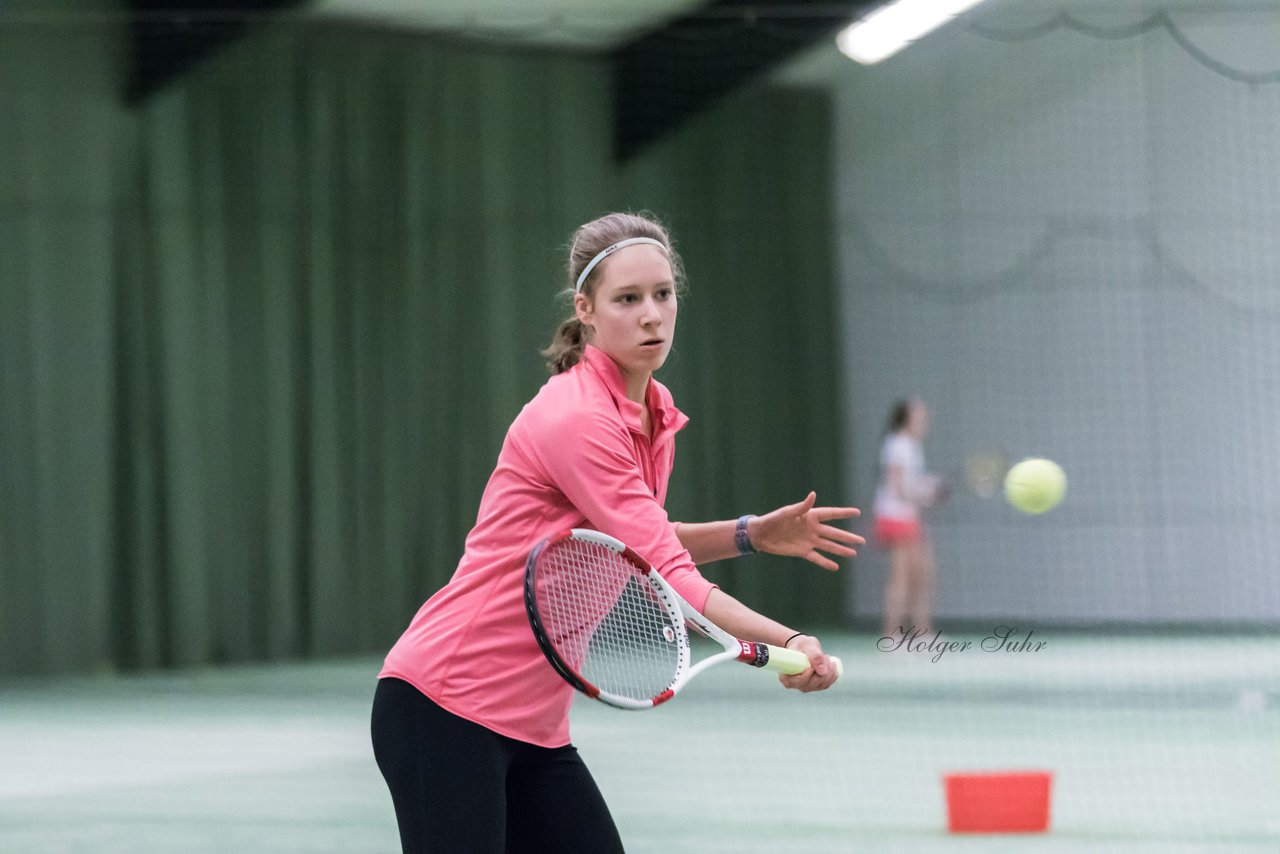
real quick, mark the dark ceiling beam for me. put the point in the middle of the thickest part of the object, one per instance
(661, 79)
(168, 37)
(668, 75)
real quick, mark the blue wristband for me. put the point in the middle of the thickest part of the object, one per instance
(740, 537)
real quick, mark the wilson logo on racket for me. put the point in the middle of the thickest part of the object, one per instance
(617, 631)
(755, 654)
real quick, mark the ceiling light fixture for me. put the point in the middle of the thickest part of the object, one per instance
(890, 28)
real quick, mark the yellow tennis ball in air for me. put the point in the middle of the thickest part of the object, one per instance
(1034, 486)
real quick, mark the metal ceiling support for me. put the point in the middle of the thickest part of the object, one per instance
(668, 75)
(169, 36)
(661, 79)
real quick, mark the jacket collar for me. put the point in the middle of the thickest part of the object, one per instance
(667, 419)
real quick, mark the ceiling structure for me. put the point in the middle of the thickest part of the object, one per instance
(168, 37)
(670, 59)
(666, 75)
(587, 24)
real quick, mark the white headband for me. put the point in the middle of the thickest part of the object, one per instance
(609, 250)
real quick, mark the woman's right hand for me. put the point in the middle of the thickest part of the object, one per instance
(821, 674)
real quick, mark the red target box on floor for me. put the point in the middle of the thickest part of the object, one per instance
(998, 801)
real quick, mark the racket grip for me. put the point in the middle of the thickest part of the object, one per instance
(791, 662)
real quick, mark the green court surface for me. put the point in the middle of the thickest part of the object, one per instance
(1157, 745)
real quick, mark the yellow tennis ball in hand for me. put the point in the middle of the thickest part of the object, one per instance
(1034, 486)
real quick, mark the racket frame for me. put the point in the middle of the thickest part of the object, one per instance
(682, 615)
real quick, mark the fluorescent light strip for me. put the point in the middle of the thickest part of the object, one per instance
(890, 28)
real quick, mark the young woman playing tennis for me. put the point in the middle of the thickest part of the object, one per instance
(470, 723)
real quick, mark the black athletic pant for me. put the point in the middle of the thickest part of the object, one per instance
(460, 788)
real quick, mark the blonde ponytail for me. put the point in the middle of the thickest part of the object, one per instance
(567, 344)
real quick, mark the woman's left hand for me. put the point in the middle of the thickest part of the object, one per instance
(800, 530)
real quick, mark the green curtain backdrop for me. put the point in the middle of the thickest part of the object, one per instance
(745, 190)
(263, 335)
(60, 122)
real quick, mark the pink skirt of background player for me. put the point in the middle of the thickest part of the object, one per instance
(897, 532)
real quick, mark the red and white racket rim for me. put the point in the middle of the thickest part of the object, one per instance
(567, 671)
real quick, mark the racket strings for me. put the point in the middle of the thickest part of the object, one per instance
(604, 619)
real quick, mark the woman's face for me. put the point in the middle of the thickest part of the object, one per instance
(632, 313)
(918, 420)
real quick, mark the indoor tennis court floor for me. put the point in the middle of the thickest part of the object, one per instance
(1157, 744)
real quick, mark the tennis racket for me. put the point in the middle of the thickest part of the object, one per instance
(614, 629)
(984, 471)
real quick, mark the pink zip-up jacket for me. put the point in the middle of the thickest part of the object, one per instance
(575, 457)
